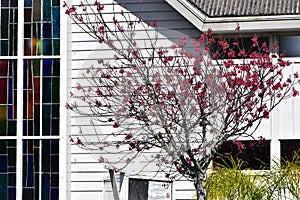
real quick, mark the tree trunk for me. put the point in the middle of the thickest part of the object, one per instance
(199, 186)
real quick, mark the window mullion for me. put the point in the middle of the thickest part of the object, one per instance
(20, 53)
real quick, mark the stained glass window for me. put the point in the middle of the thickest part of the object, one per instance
(8, 97)
(40, 169)
(8, 27)
(41, 28)
(8, 169)
(41, 75)
(40, 95)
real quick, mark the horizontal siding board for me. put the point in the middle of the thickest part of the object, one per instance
(84, 168)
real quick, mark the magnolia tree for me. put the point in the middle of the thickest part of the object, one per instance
(181, 102)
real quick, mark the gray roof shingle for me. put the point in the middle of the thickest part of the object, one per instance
(218, 8)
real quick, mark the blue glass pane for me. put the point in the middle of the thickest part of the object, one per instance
(47, 47)
(10, 91)
(13, 3)
(54, 194)
(46, 90)
(47, 67)
(55, 127)
(55, 147)
(3, 163)
(56, 22)
(28, 3)
(54, 163)
(12, 194)
(45, 186)
(30, 172)
(47, 30)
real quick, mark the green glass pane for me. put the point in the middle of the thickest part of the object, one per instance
(2, 127)
(2, 147)
(12, 128)
(55, 111)
(55, 2)
(46, 114)
(55, 127)
(36, 122)
(36, 67)
(56, 68)
(4, 23)
(47, 10)
(4, 48)
(56, 46)
(55, 90)
(3, 186)
(12, 156)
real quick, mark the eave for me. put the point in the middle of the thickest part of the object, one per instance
(274, 23)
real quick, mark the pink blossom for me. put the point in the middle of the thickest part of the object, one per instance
(295, 92)
(115, 125)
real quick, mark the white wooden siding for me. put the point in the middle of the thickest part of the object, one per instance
(87, 175)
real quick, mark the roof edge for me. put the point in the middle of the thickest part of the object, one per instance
(228, 24)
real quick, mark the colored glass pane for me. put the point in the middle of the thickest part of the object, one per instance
(55, 90)
(27, 3)
(46, 119)
(4, 3)
(56, 68)
(47, 30)
(13, 3)
(55, 2)
(47, 67)
(7, 97)
(27, 14)
(4, 48)
(27, 31)
(56, 46)
(46, 90)
(46, 10)
(47, 172)
(4, 23)
(8, 169)
(56, 22)
(55, 111)
(36, 10)
(47, 47)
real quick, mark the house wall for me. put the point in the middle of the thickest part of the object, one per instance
(87, 175)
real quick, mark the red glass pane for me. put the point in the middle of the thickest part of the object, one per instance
(3, 91)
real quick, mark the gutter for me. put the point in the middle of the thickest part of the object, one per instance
(279, 23)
